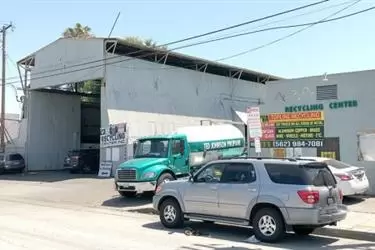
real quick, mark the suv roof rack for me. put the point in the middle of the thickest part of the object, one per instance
(264, 158)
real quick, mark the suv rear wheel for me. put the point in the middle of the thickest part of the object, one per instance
(170, 214)
(268, 225)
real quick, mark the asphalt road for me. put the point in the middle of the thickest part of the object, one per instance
(45, 225)
(57, 211)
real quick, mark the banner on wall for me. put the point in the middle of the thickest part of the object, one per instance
(114, 135)
(292, 130)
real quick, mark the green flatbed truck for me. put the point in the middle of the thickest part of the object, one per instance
(163, 158)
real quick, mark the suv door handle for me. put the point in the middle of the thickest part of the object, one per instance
(252, 189)
(213, 188)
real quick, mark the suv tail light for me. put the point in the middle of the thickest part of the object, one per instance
(309, 197)
(344, 177)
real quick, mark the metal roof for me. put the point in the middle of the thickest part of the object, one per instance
(170, 58)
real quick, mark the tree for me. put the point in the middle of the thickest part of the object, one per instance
(149, 43)
(78, 31)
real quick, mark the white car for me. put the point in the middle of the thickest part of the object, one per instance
(350, 179)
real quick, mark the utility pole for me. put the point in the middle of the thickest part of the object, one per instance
(2, 121)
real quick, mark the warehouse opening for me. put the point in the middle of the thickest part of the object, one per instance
(64, 127)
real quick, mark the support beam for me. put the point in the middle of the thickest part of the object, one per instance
(203, 68)
(112, 48)
(164, 58)
(235, 74)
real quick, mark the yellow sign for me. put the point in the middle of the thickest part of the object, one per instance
(279, 152)
(295, 117)
(328, 154)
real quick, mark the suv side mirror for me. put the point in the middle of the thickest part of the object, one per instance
(191, 178)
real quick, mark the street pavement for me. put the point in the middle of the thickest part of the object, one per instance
(56, 211)
(45, 226)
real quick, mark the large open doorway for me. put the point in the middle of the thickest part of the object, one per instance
(64, 128)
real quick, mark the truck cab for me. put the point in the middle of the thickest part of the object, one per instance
(156, 159)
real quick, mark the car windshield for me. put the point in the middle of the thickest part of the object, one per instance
(157, 148)
(336, 164)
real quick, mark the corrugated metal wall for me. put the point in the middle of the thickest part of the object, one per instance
(53, 129)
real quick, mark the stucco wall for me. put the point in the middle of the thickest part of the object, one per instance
(343, 122)
(53, 129)
(156, 99)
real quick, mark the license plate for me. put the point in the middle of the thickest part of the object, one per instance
(330, 200)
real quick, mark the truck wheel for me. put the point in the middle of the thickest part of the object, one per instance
(170, 214)
(166, 177)
(268, 225)
(303, 231)
(128, 194)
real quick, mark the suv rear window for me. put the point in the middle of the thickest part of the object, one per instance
(315, 174)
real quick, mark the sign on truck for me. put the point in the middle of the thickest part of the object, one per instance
(162, 158)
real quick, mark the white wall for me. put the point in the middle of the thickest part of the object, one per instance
(53, 129)
(154, 98)
(344, 122)
(56, 63)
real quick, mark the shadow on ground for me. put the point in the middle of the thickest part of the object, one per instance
(241, 234)
(45, 176)
(139, 204)
(353, 200)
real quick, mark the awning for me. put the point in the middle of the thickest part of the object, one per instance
(242, 116)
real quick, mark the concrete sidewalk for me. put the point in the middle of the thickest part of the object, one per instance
(357, 225)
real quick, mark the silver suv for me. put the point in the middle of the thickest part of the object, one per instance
(271, 195)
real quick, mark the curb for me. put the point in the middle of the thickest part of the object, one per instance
(345, 233)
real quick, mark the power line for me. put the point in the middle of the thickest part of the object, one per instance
(3, 31)
(194, 37)
(247, 23)
(274, 28)
(324, 20)
(285, 19)
(248, 51)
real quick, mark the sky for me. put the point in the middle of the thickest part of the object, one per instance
(340, 46)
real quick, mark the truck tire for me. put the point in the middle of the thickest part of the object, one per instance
(171, 215)
(164, 178)
(268, 225)
(127, 194)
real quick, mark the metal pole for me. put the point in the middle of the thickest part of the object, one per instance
(2, 124)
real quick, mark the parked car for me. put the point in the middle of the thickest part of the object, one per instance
(82, 161)
(351, 180)
(11, 162)
(272, 196)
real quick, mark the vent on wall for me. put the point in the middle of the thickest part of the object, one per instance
(327, 92)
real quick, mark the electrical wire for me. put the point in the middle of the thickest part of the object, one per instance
(221, 59)
(272, 28)
(324, 20)
(246, 23)
(285, 19)
(195, 36)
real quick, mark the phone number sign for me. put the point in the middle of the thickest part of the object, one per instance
(292, 130)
